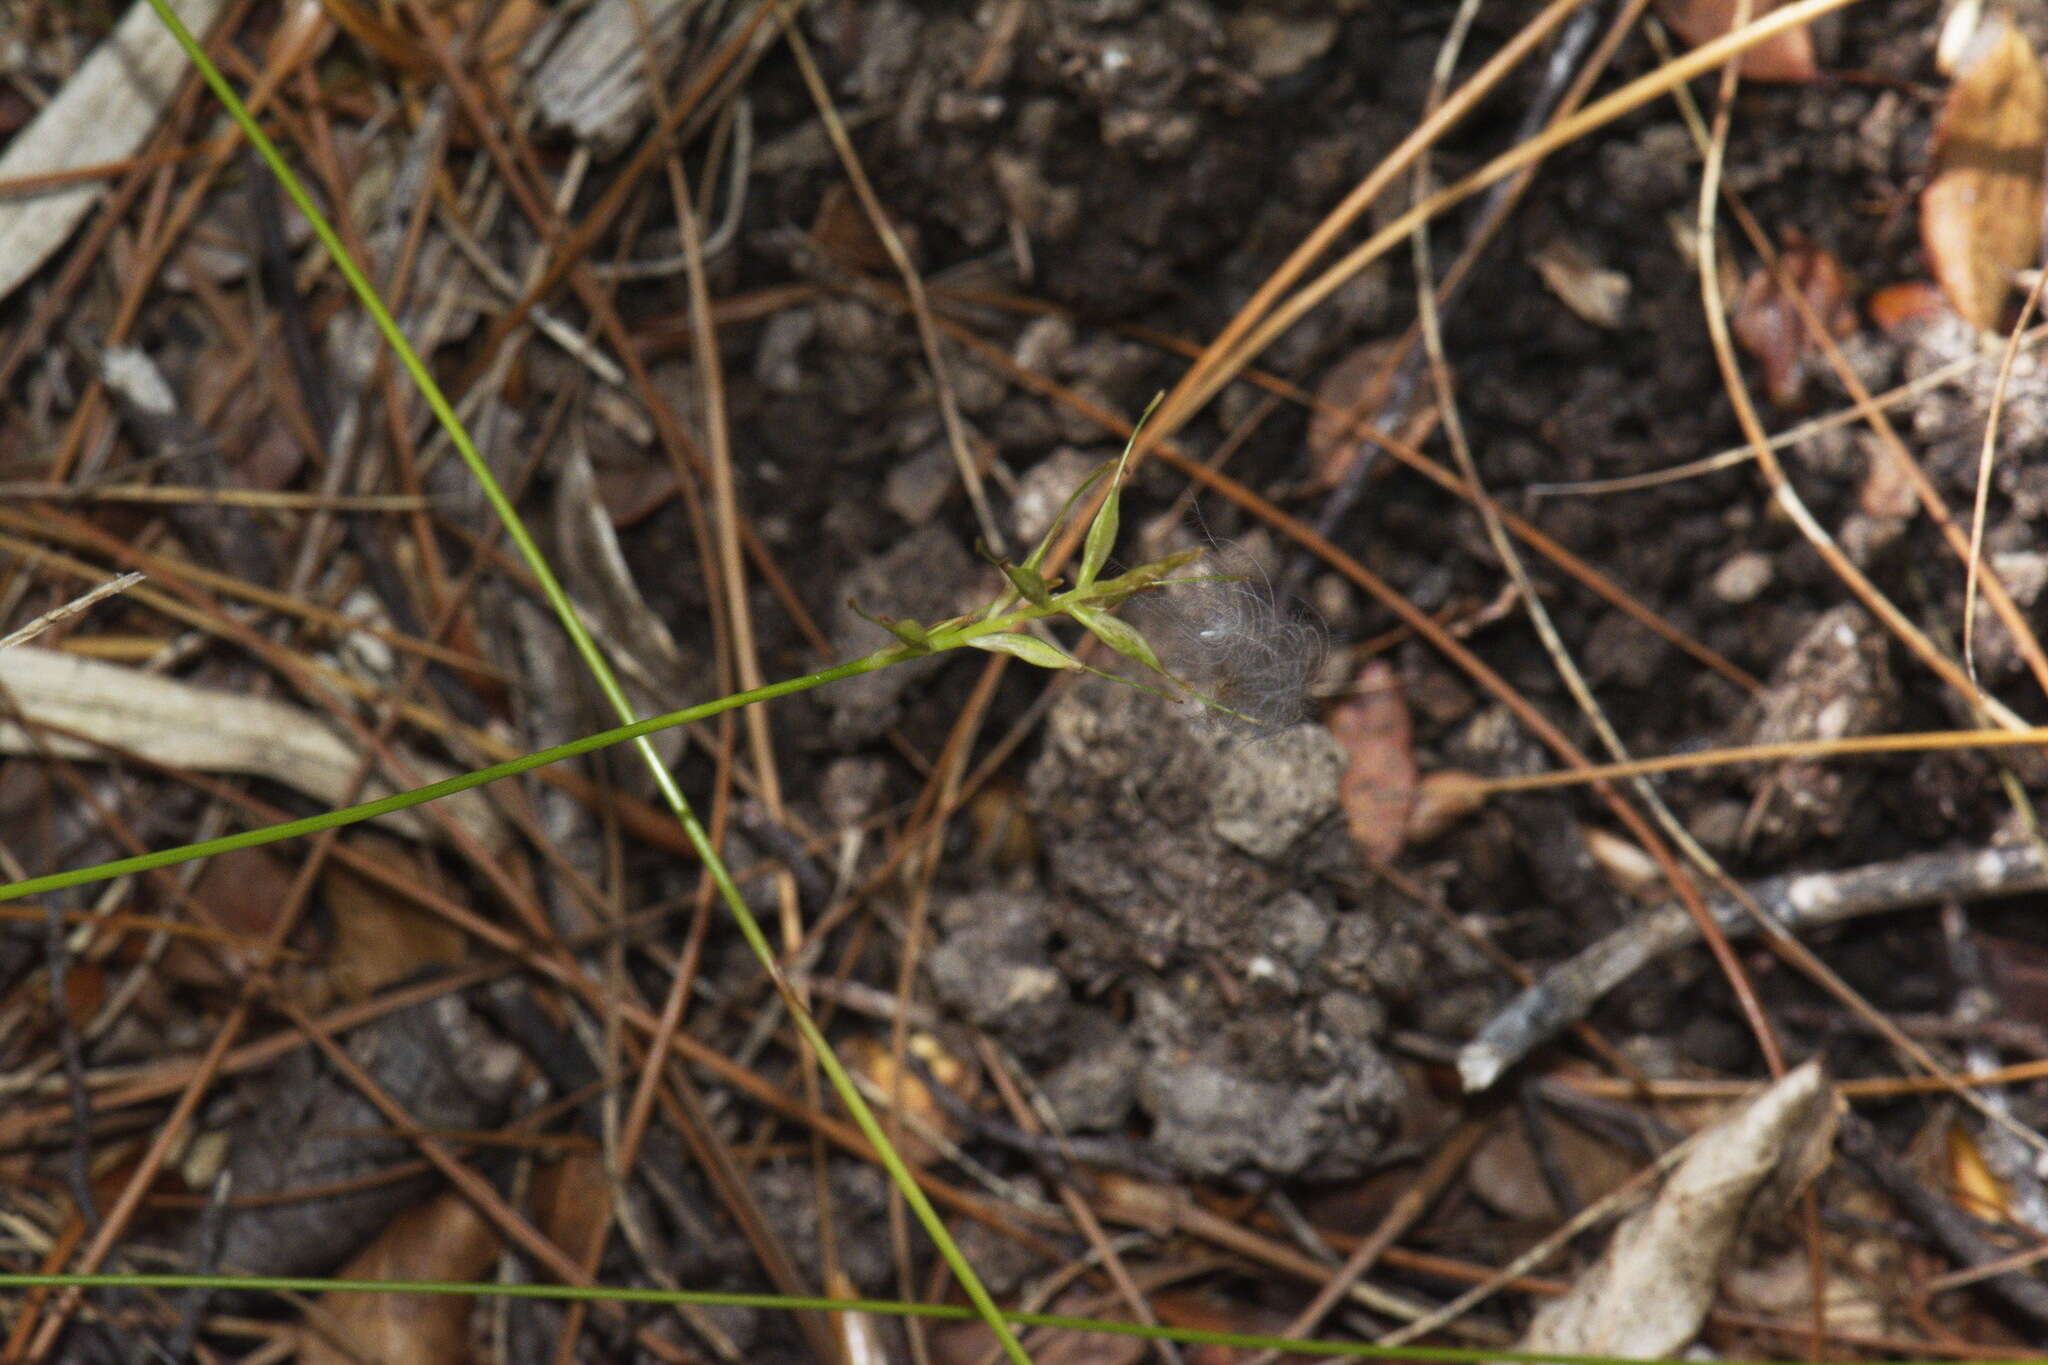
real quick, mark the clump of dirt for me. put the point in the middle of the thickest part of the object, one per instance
(1206, 951)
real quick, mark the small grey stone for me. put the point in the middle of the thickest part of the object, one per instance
(1093, 1091)
(1349, 1020)
(1276, 789)
(917, 487)
(1212, 1120)
(1742, 579)
(1297, 928)
(993, 968)
(852, 789)
(778, 356)
(1044, 490)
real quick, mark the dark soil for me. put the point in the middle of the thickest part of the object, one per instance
(1162, 920)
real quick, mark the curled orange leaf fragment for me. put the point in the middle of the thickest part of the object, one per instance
(1785, 57)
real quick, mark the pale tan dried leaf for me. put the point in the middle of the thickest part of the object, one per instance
(1974, 1187)
(1786, 57)
(1887, 491)
(860, 1336)
(870, 1059)
(1856, 1300)
(444, 1239)
(1598, 296)
(1377, 791)
(103, 113)
(1626, 865)
(593, 83)
(1652, 1287)
(1980, 215)
(1958, 31)
(209, 731)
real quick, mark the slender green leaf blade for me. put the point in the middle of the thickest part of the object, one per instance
(1037, 555)
(1120, 636)
(1102, 531)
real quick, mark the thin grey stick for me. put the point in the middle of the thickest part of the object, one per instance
(213, 1224)
(79, 1168)
(1567, 992)
(119, 583)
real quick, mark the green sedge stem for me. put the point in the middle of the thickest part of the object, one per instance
(1187, 1336)
(594, 661)
(941, 638)
(419, 796)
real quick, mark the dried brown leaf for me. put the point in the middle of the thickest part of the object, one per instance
(964, 1343)
(444, 1239)
(507, 26)
(843, 231)
(1787, 57)
(572, 1201)
(1361, 382)
(2019, 977)
(378, 939)
(242, 890)
(1507, 1175)
(1377, 790)
(1771, 327)
(1980, 215)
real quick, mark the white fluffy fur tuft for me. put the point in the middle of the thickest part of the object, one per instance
(1234, 642)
